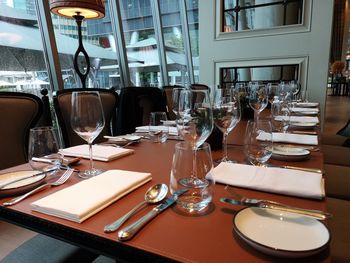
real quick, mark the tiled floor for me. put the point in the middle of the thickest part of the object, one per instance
(337, 115)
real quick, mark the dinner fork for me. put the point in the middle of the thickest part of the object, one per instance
(64, 177)
(317, 214)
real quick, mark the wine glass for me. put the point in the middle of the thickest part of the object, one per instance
(295, 89)
(273, 90)
(258, 142)
(195, 123)
(175, 100)
(280, 115)
(257, 97)
(87, 120)
(43, 149)
(226, 113)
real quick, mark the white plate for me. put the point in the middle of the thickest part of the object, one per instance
(123, 138)
(281, 234)
(20, 186)
(285, 153)
(306, 112)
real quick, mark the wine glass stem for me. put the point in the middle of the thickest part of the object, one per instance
(224, 145)
(90, 155)
(194, 163)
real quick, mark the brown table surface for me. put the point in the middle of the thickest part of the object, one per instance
(171, 235)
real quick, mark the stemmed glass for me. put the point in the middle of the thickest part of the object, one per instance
(226, 113)
(175, 100)
(295, 88)
(258, 142)
(87, 121)
(257, 97)
(273, 90)
(195, 124)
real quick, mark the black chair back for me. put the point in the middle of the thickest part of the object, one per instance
(19, 112)
(136, 104)
(63, 107)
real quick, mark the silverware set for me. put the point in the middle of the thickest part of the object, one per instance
(61, 180)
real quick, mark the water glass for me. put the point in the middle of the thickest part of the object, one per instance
(280, 116)
(43, 149)
(258, 142)
(158, 131)
(197, 199)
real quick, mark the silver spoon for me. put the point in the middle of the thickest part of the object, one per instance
(153, 195)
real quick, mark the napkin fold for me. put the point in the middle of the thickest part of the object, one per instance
(86, 198)
(172, 130)
(289, 138)
(270, 179)
(304, 109)
(299, 119)
(99, 152)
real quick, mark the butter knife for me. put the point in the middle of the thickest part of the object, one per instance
(312, 170)
(128, 232)
(317, 214)
(27, 177)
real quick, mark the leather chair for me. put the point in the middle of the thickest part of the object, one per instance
(19, 113)
(136, 104)
(63, 107)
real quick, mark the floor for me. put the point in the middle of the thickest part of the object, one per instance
(336, 116)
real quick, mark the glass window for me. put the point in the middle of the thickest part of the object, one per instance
(275, 73)
(98, 42)
(140, 41)
(257, 14)
(22, 64)
(174, 43)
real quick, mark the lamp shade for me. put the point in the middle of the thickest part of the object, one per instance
(89, 9)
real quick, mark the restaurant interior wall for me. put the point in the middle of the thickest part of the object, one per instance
(308, 43)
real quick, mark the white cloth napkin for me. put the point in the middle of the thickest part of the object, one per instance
(99, 152)
(289, 138)
(307, 104)
(172, 130)
(269, 179)
(299, 119)
(86, 198)
(304, 109)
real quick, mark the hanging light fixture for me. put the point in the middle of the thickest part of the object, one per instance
(79, 10)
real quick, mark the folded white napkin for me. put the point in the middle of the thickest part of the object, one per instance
(289, 138)
(307, 104)
(123, 138)
(172, 130)
(269, 179)
(99, 152)
(299, 119)
(86, 198)
(304, 109)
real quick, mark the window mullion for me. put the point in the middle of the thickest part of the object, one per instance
(50, 50)
(186, 39)
(117, 28)
(158, 30)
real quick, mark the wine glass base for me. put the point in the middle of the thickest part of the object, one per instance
(90, 173)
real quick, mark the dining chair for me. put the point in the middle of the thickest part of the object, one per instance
(136, 104)
(63, 107)
(19, 112)
(168, 92)
(199, 86)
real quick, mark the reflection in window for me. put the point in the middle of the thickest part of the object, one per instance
(22, 64)
(258, 14)
(140, 41)
(273, 74)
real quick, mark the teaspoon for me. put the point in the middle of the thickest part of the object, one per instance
(153, 195)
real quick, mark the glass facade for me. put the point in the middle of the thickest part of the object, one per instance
(141, 45)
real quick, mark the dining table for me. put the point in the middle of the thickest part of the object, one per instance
(173, 236)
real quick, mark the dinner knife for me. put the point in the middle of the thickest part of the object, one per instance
(317, 214)
(27, 177)
(128, 232)
(312, 170)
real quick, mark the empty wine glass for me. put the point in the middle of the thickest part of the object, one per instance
(87, 120)
(226, 113)
(273, 90)
(257, 97)
(175, 100)
(43, 149)
(258, 142)
(195, 123)
(295, 89)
